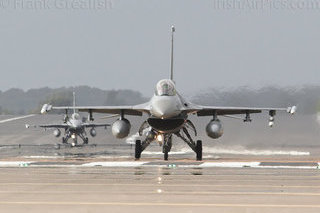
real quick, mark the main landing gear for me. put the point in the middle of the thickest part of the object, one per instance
(166, 147)
(196, 146)
(74, 139)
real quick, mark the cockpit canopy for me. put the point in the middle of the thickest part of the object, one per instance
(75, 116)
(165, 87)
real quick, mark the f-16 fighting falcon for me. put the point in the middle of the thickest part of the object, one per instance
(168, 114)
(74, 127)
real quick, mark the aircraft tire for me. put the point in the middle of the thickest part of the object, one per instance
(86, 140)
(199, 150)
(138, 150)
(166, 156)
(166, 152)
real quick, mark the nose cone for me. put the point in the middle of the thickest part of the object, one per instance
(76, 124)
(165, 107)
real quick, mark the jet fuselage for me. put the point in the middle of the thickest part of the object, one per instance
(166, 108)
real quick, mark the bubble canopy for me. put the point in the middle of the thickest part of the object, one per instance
(75, 116)
(165, 87)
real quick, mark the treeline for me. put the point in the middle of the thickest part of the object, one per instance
(17, 101)
(306, 98)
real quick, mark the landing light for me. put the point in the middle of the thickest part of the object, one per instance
(73, 136)
(159, 138)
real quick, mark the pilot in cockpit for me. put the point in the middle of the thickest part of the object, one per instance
(165, 87)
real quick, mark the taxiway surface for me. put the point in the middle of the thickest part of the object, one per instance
(251, 169)
(158, 189)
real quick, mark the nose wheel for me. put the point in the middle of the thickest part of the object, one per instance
(165, 151)
(166, 156)
(86, 140)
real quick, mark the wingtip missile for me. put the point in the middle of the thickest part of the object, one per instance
(28, 126)
(46, 108)
(292, 110)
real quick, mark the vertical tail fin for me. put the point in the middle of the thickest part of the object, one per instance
(172, 32)
(74, 102)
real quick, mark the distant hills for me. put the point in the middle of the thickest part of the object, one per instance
(17, 101)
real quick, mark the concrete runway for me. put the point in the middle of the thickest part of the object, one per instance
(159, 189)
(253, 169)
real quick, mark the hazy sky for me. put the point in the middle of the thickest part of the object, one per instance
(126, 44)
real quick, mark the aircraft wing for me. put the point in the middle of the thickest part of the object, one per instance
(50, 126)
(192, 108)
(212, 110)
(58, 126)
(128, 110)
(87, 125)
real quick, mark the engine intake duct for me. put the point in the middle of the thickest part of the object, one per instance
(166, 125)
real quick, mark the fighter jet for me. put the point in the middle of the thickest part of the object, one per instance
(73, 127)
(168, 115)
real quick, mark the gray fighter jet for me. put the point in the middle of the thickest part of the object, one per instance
(168, 114)
(74, 127)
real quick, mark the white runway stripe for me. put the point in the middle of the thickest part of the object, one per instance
(14, 163)
(16, 118)
(115, 164)
(230, 164)
(150, 164)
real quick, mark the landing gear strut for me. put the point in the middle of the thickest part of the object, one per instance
(195, 146)
(167, 146)
(167, 140)
(84, 138)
